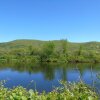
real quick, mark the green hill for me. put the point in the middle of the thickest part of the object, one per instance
(37, 44)
(77, 52)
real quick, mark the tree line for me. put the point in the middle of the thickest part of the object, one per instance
(50, 53)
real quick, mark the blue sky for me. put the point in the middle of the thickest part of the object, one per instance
(76, 20)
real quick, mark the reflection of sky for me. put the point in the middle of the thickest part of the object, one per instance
(24, 78)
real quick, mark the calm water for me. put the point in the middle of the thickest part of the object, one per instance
(46, 76)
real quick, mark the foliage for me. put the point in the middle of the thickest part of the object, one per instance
(47, 51)
(67, 91)
(50, 51)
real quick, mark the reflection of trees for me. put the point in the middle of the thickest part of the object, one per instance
(86, 66)
(48, 69)
(64, 73)
(49, 73)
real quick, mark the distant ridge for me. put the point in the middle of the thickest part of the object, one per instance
(93, 45)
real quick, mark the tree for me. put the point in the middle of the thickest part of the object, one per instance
(64, 50)
(64, 46)
(47, 50)
(80, 50)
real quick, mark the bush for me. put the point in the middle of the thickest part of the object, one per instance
(67, 91)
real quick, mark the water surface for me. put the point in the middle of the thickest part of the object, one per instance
(47, 75)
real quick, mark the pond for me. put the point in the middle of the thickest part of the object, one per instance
(46, 76)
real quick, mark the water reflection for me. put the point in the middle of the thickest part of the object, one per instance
(46, 75)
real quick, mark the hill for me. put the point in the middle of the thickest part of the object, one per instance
(38, 43)
(51, 50)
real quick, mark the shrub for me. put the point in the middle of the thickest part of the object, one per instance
(67, 91)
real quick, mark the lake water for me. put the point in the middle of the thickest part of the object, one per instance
(46, 76)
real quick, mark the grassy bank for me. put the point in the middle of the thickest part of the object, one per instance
(68, 91)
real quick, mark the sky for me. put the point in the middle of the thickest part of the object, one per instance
(74, 20)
